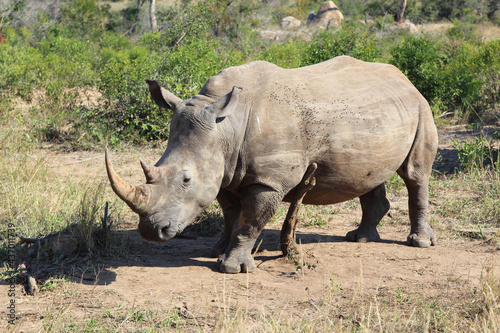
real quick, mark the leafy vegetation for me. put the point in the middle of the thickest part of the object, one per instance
(82, 46)
(478, 154)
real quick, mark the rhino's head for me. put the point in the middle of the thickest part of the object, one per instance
(188, 176)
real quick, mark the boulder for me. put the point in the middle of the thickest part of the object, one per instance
(328, 14)
(408, 26)
(269, 35)
(290, 23)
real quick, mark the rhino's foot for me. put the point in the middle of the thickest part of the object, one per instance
(236, 263)
(220, 247)
(422, 239)
(363, 235)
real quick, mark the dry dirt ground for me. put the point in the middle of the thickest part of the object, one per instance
(180, 273)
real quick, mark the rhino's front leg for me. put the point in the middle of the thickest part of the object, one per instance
(231, 208)
(258, 205)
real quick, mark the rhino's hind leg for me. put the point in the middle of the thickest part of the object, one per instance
(374, 205)
(259, 203)
(415, 172)
(421, 234)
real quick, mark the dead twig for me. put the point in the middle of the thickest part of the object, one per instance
(26, 266)
(287, 236)
(105, 217)
(183, 312)
(32, 286)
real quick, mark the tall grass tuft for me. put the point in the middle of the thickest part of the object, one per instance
(86, 220)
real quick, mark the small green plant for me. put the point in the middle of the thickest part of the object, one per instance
(395, 184)
(313, 217)
(478, 154)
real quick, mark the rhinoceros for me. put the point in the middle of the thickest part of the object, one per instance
(250, 134)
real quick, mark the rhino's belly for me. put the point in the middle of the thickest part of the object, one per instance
(332, 192)
(327, 194)
(350, 174)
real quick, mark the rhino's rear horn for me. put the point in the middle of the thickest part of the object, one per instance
(136, 197)
(151, 172)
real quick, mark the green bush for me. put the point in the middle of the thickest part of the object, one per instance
(126, 111)
(420, 59)
(352, 39)
(75, 49)
(458, 75)
(287, 55)
(82, 18)
(382, 8)
(478, 154)
(188, 67)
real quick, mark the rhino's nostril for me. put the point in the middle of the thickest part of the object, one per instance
(165, 232)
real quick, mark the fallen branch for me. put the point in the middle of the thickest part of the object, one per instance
(32, 286)
(186, 314)
(287, 236)
(26, 266)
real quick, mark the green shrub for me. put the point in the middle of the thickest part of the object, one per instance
(352, 8)
(82, 18)
(435, 10)
(352, 39)
(188, 67)
(288, 55)
(478, 154)
(458, 75)
(420, 59)
(191, 21)
(126, 111)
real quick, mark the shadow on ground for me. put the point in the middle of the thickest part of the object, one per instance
(185, 251)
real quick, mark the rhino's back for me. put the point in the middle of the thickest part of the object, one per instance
(356, 120)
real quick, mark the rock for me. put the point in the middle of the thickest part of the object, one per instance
(290, 23)
(407, 25)
(269, 35)
(328, 14)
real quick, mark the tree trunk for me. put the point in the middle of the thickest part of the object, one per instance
(152, 15)
(401, 12)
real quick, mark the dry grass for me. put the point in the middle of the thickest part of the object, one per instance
(64, 307)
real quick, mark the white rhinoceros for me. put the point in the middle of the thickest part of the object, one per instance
(250, 134)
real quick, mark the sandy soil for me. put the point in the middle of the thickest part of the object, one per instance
(180, 272)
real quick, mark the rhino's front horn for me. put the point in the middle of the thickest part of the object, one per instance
(136, 197)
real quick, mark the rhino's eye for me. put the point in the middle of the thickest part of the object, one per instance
(187, 178)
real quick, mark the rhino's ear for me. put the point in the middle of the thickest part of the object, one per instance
(226, 104)
(162, 96)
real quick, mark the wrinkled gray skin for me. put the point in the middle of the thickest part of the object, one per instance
(248, 137)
